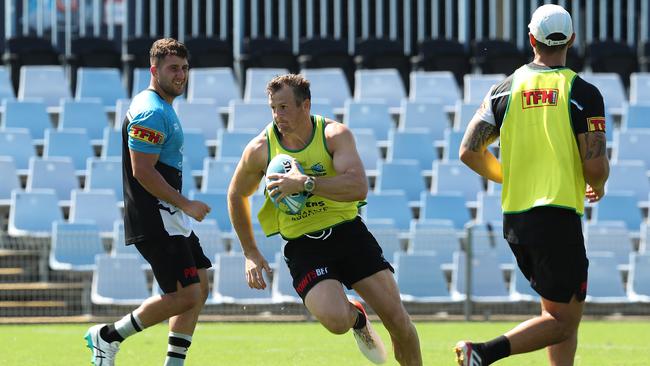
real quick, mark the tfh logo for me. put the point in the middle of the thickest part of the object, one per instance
(539, 98)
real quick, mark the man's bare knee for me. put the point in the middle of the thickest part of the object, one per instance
(336, 324)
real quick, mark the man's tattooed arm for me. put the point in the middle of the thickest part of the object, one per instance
(479, 135)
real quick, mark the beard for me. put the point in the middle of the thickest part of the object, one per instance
(170, 89)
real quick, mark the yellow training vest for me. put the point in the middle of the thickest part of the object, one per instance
(319, 213)
(539, 151)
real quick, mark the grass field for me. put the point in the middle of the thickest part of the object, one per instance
(601, 343)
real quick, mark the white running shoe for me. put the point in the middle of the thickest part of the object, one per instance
(103, 352)
(465, 355)
(368, 340)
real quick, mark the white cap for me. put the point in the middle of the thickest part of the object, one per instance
(549, 19)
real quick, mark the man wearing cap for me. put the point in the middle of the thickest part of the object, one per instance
(551, 127)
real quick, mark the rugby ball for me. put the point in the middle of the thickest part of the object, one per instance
(294, 203)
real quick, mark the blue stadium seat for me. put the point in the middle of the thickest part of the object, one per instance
(520, 289)
(188, 183)
(209, 237)
(6, 90)
(17, 144)
(85, 114)
(387, 235)
(443, 241)
(99, 206)
(463, 114)
(367, 149)
(632, 145)
(627, 176)
(195, 149)
(487, 281)
(423, 114)
(54, 173)
(47, 83)
(384, 85)
(256, 80)
(372, 115)
(330, 84)
(445, 206)
(437, 86)
(420, 278)
(453, 139)
(322, 107)
(120, 248)
(74, 246)
(605, 281)
(619, 207)
(404, 175)
(282, 287)
(105, 174)
(476, 86)
(269, 246)
(217, 84)
(141, 80)
(112, 143)
(612, 89)
(121, 106)
(203, 115)
(217, 174)
(455, 177)
(9, 181)
(612, 237)
(415, 144)
(230, 286)
(389, 205)
(118, 280)
(636, 116)
(232, 144)
(249, 116)
(638, 283)
(104, 84)
(32, 213)
(219, 208)
(73, 143)
(639, 87)
(30, 115)
(489, 208)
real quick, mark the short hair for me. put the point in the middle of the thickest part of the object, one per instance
(546, 49)
(298, 84)
(166, 47)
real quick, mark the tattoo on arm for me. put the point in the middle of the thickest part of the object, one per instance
(479, 135)
(595, 145)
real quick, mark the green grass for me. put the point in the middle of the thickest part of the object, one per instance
(601, 343)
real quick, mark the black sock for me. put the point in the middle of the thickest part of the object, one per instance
(109, 334)
(495, 349)
(360, 322)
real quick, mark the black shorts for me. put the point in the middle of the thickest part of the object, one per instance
(174, 259)
(347, 253)
(556, 271)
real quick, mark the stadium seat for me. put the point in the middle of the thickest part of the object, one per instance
(452, 143)
(217, 174)
(189, 182)
(389, 205)
(605, 281)
(455, 177)
(85, 114)
(256, 80)
(382, 53)
(208, 52)
(495, 56)
(629, 176)
(230, 284)
(269, 246)
(443, 241)
(387, 235)
(217, 84)
(632, 145)
(404, 175)
(112, 143)
(249, 116)
(141, 80)
(55, 173)
(104, 84)
(323, 53)
(118, 280)
(232, 144)
(487, 281)
(266, 52)
(636, 116)
(282, 287)
(612, 237)
(105, 174)
(9, 181)
(619, 207)
(120, 248)
(17, 144)
(202, 115)
(520, 289)
(420, 278)
(195, 149)
(446, 55)
(379, 84)
(94, 52)
(372, 115)
(322, 107)
(209, 237)
(640, 87)
(463, 114)
(219, 208)
(449, 206)
(422, 114)
(30, 115)
(330, 84)
(611, 87)
(367, 149)
(46, 83)
(74, 246)
(29, 50)
(121, 106)
(489, 208)
(72, 143)
(32, 213)
(638, 283)
(97, 205)
(413, 144)
(612, 57)
(438, 87)
(6, 89)
(476, 86)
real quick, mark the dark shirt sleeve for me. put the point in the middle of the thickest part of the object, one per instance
(587, 108)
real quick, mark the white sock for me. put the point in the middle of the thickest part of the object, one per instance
(128, 325)
(177, 349)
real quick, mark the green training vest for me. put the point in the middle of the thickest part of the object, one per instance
(539, 151)
(319, 213)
